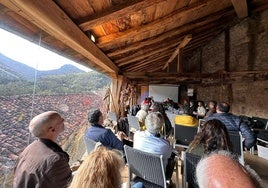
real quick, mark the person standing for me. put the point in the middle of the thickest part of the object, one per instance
(43, 163)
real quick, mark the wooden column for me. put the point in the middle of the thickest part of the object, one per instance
(116, 87)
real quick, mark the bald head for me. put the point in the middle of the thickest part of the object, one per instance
(222, 170)
(41, 125)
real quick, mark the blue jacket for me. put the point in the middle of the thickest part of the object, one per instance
(99, 134)
(234, 123)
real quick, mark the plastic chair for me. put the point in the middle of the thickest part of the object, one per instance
(184, 135)
(237, 143)
(133, 122)
(147, 167)
(90, 144)
(112, 116)
(189, 165)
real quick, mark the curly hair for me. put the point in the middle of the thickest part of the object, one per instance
(100, 169)
(213, 136)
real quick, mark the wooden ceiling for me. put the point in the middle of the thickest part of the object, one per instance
(133, 38)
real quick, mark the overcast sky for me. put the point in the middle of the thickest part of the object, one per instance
(31, 54)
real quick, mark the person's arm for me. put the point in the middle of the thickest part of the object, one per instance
(114, 142)
(248, 134)
(59, 173)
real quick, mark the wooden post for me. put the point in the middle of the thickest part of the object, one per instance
(179, 66)
(118, 83)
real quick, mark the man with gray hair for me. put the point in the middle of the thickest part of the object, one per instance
(43, 163)
(221, 169)
(150, 141)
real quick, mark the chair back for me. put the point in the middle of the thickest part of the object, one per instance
(133, 122)
(89, 143)
(145, 166)
(112, 116)
(171, 118)
(237, 144)
(260, 123)
(190, 162)
(184, 135)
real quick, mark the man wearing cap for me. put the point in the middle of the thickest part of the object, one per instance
(43, 163)
(150, 140)
(100, 134)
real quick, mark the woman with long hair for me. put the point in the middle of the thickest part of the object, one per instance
(213, 136)
(101, 169)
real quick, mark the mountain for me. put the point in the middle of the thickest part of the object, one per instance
(13, 70)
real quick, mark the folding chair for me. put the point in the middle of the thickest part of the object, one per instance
(148, 168)
(237, 143)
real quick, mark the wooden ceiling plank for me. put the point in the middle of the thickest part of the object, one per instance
(114, 13)
(175, 32)
(241, 8)
(183, 43)
(165, 22)
(54, 21)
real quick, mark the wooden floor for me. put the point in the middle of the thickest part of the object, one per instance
(260, 165)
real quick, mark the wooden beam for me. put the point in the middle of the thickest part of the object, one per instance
(184, 42)
(50, 18)
(241, 8)
(115, 13)
(212, 19)
(167, 23)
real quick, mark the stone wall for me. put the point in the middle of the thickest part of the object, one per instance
(242, 47)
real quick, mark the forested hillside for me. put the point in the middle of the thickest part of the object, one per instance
(55, 84)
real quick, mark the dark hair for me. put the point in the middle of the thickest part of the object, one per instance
(213, 136)
(202, 103)
(93, 115)
(213, 102)
(223, 107)
(158, 107)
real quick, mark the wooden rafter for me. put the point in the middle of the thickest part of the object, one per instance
(241, 8)
(183, 43)
(129, 60)
(54, 21)
(115, 12)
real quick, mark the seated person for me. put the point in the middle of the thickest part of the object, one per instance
(213, 136)
(150, 141)
(101, 168)
(186, 120)
(234, 123)
(142, 113)
(201, 110)
(220, 169)
(211, 108)
(158, 107)
(98, 133)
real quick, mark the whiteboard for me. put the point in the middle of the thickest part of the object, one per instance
(162, 92)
